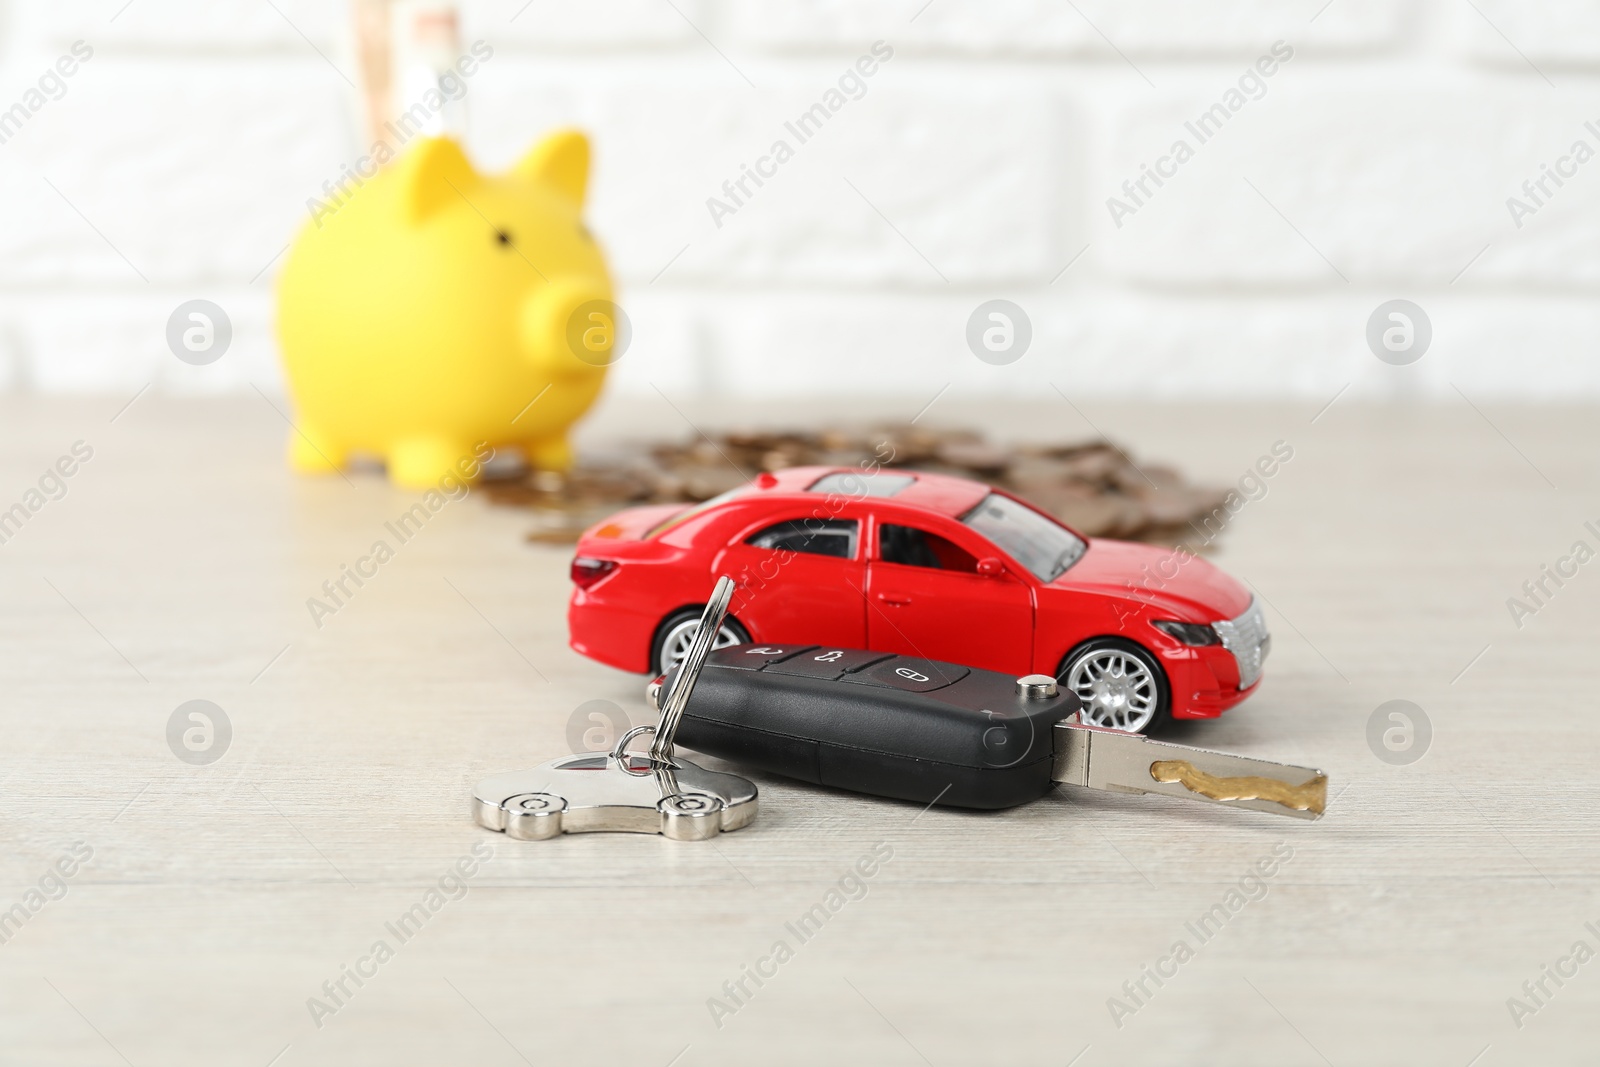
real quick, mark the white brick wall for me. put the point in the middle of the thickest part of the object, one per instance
(977, 164)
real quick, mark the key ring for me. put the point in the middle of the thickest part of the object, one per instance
(689, 670)
(666, 773)
(620, 749)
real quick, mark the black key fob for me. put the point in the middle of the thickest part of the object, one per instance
(870, 722)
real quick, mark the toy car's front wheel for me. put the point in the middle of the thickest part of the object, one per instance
(1121, 684)
(674, 635)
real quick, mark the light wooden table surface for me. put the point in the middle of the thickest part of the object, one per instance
(220, 898)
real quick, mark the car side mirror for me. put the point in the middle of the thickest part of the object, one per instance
(990, 567)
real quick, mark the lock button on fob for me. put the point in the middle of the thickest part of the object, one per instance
(909, 675)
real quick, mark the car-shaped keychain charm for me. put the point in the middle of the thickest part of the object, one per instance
(657, 792)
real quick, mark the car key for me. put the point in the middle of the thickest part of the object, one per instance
(940, 733)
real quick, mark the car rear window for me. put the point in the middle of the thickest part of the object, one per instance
(696, 509)
(850, 483)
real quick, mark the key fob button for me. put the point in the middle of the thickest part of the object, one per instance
(823, 662)
(753, 657)
(911, 675)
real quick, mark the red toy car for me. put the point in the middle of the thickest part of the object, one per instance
(925, 565)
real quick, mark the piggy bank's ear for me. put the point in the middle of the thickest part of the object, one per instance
(560, 161)
(433, 175)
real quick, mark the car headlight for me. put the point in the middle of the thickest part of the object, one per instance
(1194, 634)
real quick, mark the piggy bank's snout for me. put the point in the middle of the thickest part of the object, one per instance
(570, 327)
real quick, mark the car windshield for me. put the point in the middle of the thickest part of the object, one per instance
(698, 509)
(1036, 541)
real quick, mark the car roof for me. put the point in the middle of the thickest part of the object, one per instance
(940, 493)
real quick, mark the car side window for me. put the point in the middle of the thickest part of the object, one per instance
(817, 537)
(918, 548)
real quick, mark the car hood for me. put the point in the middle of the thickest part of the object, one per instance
(1168, 579)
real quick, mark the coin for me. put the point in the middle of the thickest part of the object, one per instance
(1091, 485)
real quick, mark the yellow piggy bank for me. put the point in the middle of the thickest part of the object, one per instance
(436, 308)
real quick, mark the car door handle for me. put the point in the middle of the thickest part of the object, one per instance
(897, 599)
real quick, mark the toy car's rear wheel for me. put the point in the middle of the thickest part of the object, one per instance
(1121, 685)
(675, 634)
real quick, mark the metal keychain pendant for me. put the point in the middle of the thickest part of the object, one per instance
(624, 792)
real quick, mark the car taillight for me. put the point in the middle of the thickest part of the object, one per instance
(585, 571)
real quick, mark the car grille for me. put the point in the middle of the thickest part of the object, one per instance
(1247, 638)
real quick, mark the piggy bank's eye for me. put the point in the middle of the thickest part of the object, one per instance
(503, 237)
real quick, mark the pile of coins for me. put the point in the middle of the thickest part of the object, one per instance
(1092, 486)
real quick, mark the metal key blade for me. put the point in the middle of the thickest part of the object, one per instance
(1099, 758)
